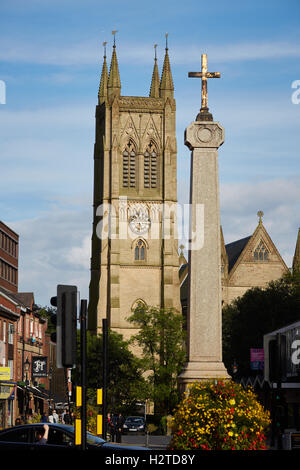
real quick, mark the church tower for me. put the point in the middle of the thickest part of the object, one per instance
(134, 242)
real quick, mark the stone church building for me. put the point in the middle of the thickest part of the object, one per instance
(134, 244)
(253, 261)
(135, 182)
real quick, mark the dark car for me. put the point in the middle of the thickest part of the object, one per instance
(134, 424)
(60, 437)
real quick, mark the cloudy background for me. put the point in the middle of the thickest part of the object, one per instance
(51, 57)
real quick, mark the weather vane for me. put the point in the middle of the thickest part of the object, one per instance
(155, 46)
(114, 35)
(104, 45)
(167, 34)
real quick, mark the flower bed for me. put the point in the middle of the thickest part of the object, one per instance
(219, 415)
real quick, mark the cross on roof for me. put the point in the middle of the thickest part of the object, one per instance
(204, 75)
(260, 215)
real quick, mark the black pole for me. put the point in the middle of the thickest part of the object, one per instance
(83, 312)
(104, 406)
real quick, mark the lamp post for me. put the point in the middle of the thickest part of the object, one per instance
(26, 370)
(26, 366)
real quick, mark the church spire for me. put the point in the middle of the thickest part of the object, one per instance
(296, 259)
(166, 83)
(154, 89)
(114, 82)
(104, 79)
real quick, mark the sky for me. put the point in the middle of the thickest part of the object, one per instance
(50, 62)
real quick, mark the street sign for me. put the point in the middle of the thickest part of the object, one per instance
(39, 366)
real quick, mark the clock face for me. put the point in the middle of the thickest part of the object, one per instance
(140, 222)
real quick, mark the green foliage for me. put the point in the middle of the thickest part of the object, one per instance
(125, 383)
(161, 339)
(259, 311)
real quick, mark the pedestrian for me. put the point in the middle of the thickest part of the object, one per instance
(55, 417)
(67, 417)
(50, 417)
(18, 421)
(72, 417)
(119, 427)
(110, 427)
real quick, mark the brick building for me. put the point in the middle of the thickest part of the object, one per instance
(23, 339)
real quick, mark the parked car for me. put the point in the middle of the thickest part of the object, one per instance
(134, 424)
(60, 437)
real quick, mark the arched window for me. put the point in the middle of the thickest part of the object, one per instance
(140, 251)
(261, 252)
(150, 166)
(129, 163)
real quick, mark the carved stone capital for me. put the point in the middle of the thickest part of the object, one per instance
(204, 134)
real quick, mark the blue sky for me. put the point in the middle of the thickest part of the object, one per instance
(50, 60)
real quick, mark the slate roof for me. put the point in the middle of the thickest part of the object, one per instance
(234, 250)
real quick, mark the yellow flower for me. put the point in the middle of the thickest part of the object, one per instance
(232, 401)
(230, 433)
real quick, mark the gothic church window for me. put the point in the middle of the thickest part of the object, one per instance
(129, 166)
(140, 251)
(261, 253)
(150, 167)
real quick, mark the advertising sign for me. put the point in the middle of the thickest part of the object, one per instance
(4, 373)
(39, 366)
(257, 359)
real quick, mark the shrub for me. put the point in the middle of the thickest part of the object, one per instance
(219, 415)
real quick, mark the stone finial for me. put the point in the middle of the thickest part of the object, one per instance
(166, 83)
(154, 89)
(296, 259)
(102, 94)
(260, 215)
(114, 82)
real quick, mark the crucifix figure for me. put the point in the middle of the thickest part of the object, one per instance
(204, 75)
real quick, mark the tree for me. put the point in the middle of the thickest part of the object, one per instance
(125, 383)
(259, 311)
(161, 340)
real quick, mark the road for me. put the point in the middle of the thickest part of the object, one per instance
(155, 442)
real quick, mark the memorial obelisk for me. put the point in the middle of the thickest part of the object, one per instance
(204, 319)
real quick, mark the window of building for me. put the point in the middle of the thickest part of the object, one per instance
(129, 166)
(10, 333)
(150, 167)
(10, 364)
(140, 251)
(261, 252)
(4, 331)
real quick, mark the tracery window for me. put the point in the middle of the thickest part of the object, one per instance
(261, 252)
(129, 166)
(150, 166)
(140, 251)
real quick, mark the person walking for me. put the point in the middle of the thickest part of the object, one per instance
(110, 427)
(119, 427)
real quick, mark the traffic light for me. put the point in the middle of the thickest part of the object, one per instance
(66, 325)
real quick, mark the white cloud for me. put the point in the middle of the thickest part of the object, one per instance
(87, 52)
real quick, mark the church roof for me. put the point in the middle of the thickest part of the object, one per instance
(234, 250)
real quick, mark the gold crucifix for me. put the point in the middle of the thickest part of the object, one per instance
(204, 74)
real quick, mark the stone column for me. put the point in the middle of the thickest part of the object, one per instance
(204, 321)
